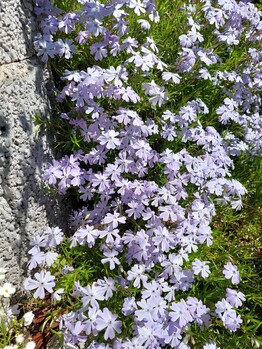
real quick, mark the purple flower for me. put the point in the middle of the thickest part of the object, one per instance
(108, 285)
(223, 308)
(82, 37)
(109, 139)
(67, 23)
(75, 336)
(54, 236)
(196, 307)
(92, 294)
(167, 76)
(56, 295)
(170, 213)
(144, 312)
(153, 226)
(45, 47)
(159, 96)
(116, 75)
(101, 181)
(230, 271)
(85, 234)
(201, 268)
(129, 306)
(137, 273)
(127, 94)
(234, 297)
(44, 281)
(65, 48)
(136, 209)
(211, 345)
(37, 258)
(147, 336)
(137, 6)
(232, 321)
(114, 219)
(111, 259)
(53, 172)
(99, 50)
(164, 239)
(144, 24)
(66, 269)
(180, 313)
(173, 337)
(106, 320)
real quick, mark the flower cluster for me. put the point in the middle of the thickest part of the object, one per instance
(43, 255)
(151, 167)
(13, 331)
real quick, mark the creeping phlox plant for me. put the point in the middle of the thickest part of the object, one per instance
(13, 331)
(155, 155)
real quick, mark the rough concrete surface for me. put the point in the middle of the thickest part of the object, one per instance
(17, 27)
(24, 208)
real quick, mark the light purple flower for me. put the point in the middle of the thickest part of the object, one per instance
(232, 321)
(111, 259)
(164, 238)
(201, 268)
(54, 236)
(137, 6)
(179, 312)
(106, 320)
(65, 48)
(50, 258)
(129, 306)
(37, 258)
(167, 76)
(234, 297)
(109, 139)
(137, 273)
(45, 47)
(223, 308)
(92, 294)
(230, 271)
(117, 75)
(43, 281)
(144, 24)
(76, 334)
(114, 219)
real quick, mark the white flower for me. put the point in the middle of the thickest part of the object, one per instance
(28, 318)
(2, 273)
(7, 290)
(30, 345)
(20, 339)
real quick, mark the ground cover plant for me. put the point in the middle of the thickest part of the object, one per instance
(13, 328)
(161, 138)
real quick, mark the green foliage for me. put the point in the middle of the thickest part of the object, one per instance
(236, 235)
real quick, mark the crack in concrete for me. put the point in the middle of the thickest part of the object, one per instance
(20, 61)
